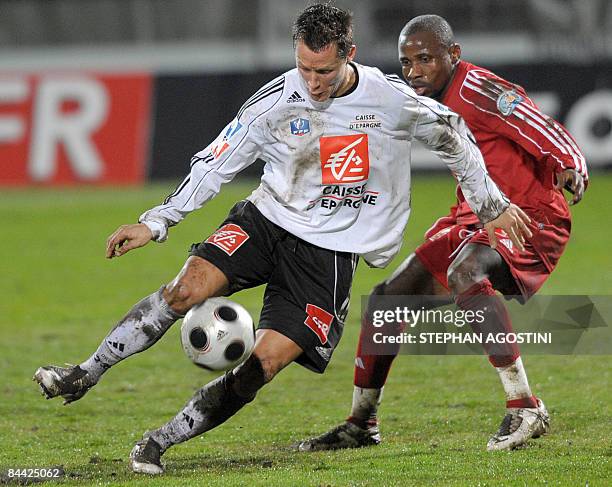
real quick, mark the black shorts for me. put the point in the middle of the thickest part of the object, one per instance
(308, 287)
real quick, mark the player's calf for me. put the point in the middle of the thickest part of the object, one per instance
(139, 329)
(211, 406)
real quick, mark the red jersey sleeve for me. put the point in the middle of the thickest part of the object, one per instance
(505, 108)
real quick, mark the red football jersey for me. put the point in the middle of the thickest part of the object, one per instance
(522, 147)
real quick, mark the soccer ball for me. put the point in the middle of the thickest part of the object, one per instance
(218, 334)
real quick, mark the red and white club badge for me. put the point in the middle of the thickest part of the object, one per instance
(228, 238)
(319, 321)
(344, 159)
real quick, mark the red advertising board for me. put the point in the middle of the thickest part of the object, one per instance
(74, 128)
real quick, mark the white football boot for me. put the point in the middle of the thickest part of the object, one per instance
(70, 382)
(518, 426)
(145, 457)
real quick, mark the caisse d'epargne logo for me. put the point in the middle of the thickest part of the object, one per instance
(228, 238)
(344, 159)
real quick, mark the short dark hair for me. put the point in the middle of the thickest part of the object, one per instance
(434, 24)
(321, 24)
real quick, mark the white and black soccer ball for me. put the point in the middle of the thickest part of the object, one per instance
(218, 334)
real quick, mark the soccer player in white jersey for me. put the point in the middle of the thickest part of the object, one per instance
(336, 138)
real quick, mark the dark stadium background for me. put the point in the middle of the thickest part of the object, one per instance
(191, 65)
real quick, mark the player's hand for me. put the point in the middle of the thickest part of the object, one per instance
(514, 222)
(573, 181)
(126, 238)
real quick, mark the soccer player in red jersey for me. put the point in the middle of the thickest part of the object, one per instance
(532, 158)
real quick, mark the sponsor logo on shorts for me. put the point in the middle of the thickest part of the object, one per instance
(299, 126)
(319, 321)
(506, 242)
(344, 159)
(228, 238)
(222, 144)
(504, 239)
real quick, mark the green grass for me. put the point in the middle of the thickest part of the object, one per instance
(60, 297)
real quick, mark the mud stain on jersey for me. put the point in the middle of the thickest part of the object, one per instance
(489, 210)
(448, 139)
(303, 163)
(304, 155)
(308, 159)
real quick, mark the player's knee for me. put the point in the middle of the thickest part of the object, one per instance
(462, 276)
(182, 296)
(197, 281)
(472, 265)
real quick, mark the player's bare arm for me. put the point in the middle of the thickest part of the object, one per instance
(571, 180)
(126, 238)
(514, 222)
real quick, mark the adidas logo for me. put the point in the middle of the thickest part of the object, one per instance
(188, 419)
(116, 345)
(324, 352)
(507, 243)
(221, 335)
(295, 98)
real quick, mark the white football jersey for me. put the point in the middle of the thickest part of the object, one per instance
(337, 173)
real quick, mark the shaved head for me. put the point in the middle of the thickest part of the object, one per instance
(434, 24)
(428, 54)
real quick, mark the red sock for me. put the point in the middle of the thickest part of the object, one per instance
(371, 371)
(525, 402)
(363, 423)
(481, 297)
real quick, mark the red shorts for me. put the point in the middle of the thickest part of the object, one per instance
(529, 268)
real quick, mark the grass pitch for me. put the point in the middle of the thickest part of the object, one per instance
(60, 297)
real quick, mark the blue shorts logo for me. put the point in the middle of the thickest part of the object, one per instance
(300, 126)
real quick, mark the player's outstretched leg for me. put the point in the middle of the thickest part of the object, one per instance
(217, 401)
(144, 324)
(212, 405)
(470, 279)
(361, 428)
